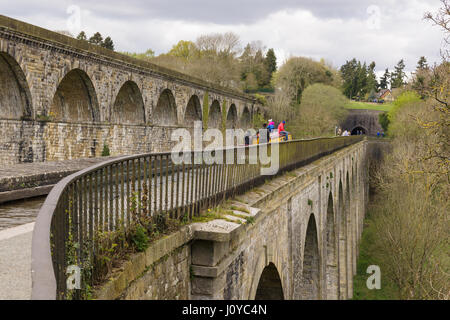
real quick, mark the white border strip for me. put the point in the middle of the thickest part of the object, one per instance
(16, 231)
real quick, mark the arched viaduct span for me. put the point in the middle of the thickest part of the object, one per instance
(301, 243)
(62, 98)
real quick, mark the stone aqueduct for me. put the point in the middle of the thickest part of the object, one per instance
(61, 98)
(302, 244)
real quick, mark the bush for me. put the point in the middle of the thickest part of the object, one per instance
(105, 151)
(140, 238)
(322, 108)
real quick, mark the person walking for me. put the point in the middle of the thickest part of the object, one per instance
(282, 131)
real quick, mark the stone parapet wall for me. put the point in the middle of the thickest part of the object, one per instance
(36, 141)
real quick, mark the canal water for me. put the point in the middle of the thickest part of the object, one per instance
(19, 212)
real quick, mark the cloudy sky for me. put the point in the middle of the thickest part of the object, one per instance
(337, 30)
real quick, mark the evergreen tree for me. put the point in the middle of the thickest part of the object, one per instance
(422, 63)
(421, 77)
(82, 36)
(271, 61)
(349, 72)
(96, 39)
(108, 43)
(372, 83)
(384, 81)
(398, 76)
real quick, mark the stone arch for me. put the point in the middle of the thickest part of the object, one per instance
(215, 115)
(355, 129)
(15, 96)
(269, 285)
(332, 276)
(165, 112)
(232, 117)
(342, 244)
(128, 106)
(193, 111)
(245, 118)
(348, 213)
(311, 263)
(75, 99)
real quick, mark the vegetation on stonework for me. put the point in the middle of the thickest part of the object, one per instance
(105, 151)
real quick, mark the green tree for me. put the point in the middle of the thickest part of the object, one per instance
(398, 76)
(82, 36)
(270, 62)
(147, 55)
(96, 39)
(108, 43)
(384, 81)
(421, 78)
(184, 49)
(355, 77)
(297, 74)
(422, 63)
(321, 110)
(372, 83)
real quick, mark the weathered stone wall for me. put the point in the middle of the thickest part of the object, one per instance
(167, 279)
(290, 232)
(62, 98)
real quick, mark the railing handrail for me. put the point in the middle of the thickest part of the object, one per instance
(44, 284)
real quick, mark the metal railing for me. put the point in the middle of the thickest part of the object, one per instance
(103, 198)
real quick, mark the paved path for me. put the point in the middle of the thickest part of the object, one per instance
(15, 262)
(26, 175)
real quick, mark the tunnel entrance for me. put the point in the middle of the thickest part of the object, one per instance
(358, 131)
(269, 286)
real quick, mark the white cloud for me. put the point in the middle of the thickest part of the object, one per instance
(399, 30)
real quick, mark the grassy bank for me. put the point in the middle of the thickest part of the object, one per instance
(366, 258)
(368, 105)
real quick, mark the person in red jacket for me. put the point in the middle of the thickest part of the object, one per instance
(281, 131)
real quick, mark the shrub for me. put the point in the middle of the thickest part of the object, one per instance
(105, 151)
(322, 108)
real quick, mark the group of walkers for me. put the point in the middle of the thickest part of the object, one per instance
(268, 128)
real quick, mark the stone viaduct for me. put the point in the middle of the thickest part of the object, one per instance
(299, 240)
(62, 98)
